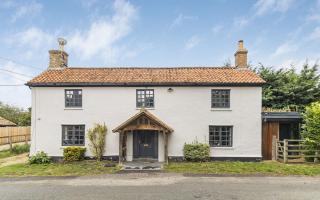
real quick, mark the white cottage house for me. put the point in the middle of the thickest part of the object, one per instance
(150, 112)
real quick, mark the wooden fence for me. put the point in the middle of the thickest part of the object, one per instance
(10, 135)
(294, 151)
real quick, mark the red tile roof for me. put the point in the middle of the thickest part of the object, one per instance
(147, 77)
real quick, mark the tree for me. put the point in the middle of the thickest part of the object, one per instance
(311, 126)
(97, 137)
(15, 114)
(286, 88)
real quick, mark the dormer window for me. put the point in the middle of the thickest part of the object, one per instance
(145, 98)
(73, 98)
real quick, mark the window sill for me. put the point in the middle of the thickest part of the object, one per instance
(145, 108)
(222, 148)
(221, 109)
(73, 108)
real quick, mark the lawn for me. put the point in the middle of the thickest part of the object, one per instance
(6, 153)
(57, 169)
(245, 168)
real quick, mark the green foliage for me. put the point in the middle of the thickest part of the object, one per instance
(40, 158)
(73, 153)
(17, 115)
(196, 152)
(287, 88)
(20, 148)
(97, 137)
(311, 125)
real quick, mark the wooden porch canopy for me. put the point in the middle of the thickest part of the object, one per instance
(143, 120)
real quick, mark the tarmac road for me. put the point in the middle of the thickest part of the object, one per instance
(153, 186)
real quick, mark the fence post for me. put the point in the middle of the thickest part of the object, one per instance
(316, 158)
(274, 147)
(285, 150)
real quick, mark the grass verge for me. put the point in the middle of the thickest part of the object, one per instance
(245, 168)
(16, 150)
(82, 168)
(6, 154)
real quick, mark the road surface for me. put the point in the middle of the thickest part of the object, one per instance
(160, 186)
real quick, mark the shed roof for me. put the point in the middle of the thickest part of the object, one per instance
(5, 122)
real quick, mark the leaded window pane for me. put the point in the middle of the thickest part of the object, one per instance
(73, 135)
(73, 98)
(220, 136)
(145, 98)
(220, 98)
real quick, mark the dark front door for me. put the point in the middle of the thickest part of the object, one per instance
(145, 144)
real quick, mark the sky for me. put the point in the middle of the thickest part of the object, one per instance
(144, 33)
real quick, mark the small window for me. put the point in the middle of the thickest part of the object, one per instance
(220, 98)
(73, 98)
(220, 136)
(145, 98)
(73, 135)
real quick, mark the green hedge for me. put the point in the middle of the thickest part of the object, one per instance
(73, 153)
(197, 152)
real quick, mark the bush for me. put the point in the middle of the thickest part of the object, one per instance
(97, 137)
(196, 152)
(40, 158)
(19, 149)
(311, 128)
(73, 153)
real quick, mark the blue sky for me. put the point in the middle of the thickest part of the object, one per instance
(277, 33)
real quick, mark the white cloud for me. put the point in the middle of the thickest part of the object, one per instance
(285, 48)
(180, 19)
(240, 22)
(265, 6)
(11, 94)
(22, 9)
(102, 36)
(192, 42)
(217, 28)
(315, 35)
(32, 42)
(30, 9)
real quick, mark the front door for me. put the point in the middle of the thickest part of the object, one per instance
(145, 144)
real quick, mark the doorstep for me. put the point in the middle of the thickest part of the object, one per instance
(142, 165)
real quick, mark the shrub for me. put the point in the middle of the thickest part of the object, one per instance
(40, 158)
(196, 152)
(73, 153)
(97, 137)
(19, 149)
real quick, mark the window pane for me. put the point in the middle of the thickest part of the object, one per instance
(73, 135)
(73, 98)
(220, 98)
(145, 98)
(220, 136)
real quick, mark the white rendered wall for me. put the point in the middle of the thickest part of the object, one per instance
(187, 110)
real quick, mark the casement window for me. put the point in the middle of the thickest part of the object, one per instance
(220, 136)
(73, 98)
(73, 135)
(145, 98)
(220, 98)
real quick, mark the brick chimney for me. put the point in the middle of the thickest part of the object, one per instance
(58, 58)
(241, 56)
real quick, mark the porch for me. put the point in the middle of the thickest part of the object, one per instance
(143, 137)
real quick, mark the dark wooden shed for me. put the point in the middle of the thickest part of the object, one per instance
(282, 125)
